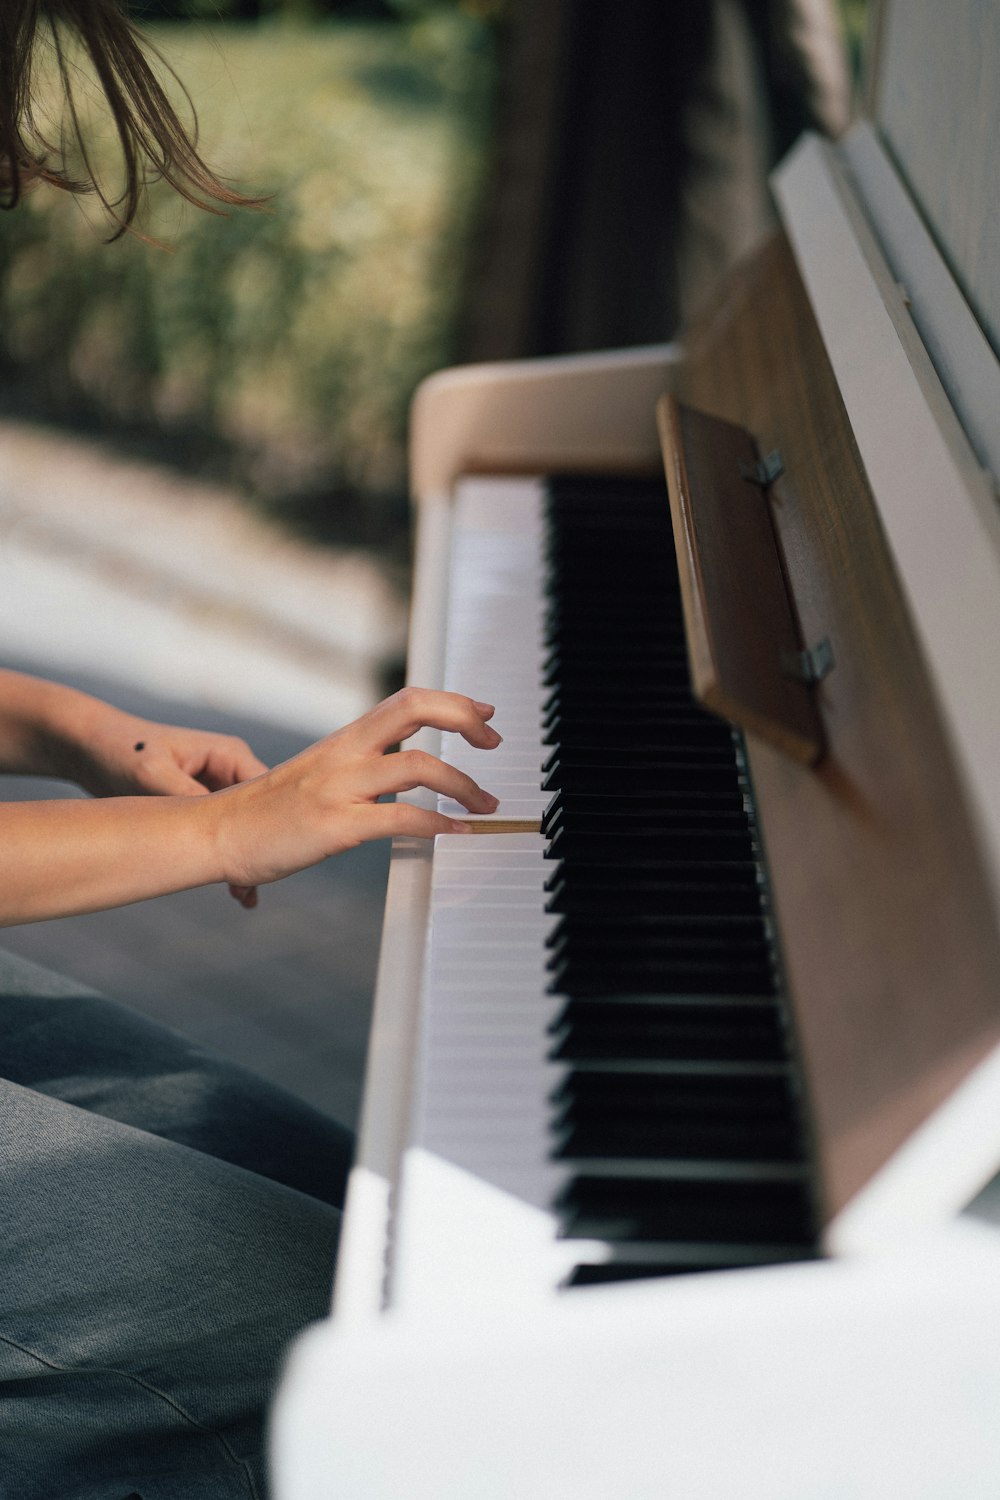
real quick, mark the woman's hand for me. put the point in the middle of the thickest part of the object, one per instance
(47, 729)
(63, 857)
(326, 799)
(120, 755)
(131, 757)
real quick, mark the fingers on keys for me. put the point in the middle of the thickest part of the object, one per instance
(389, 819)
(400, 716)
(408, 769)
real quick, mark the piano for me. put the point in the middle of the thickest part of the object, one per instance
(678, 1165)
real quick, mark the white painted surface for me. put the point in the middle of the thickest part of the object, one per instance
(933, 1175)
(860, 1379)
(359, 1289)
(537, 416)
(961, 353)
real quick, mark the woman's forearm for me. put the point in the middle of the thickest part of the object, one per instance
(40, 724)
(61, 858)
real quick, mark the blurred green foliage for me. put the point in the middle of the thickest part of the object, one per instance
(854, 18)
(286, 342)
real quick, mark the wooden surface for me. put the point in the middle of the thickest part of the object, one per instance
(739, 620)
(504, 825)
(888, 934)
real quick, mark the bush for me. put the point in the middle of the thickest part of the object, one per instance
(287, 342)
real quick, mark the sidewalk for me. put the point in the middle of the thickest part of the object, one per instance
(160, 581)
(171, 600)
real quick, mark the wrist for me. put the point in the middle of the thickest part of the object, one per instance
(32, 712)
(81, 739)
(230, 819)
(66, 726)
(208, 823)
(198, 853)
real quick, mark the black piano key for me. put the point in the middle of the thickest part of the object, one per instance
(633, 819)
(686, 976)
(676, 1117)
(599, 1029)
(728, 1086)
(653, 880)
(651, 774)
(669, 961)
(696, 747)
(618, 698)
(677, 1260)
(716, 1211)
(648, 727)
(609, 953)
(629, 801)
(644, 875)
(626, 1140)
(695, 846)
(648, 927)
(628, 1270)
(705, 825)
(568, 722)
(675, 782)
(727, 808)
(571, 895)
(669, 999)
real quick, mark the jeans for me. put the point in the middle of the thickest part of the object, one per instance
(169, 1222)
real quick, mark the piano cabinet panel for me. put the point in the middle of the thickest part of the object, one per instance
(886, 922)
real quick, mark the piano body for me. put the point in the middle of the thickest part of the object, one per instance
(625, 1218)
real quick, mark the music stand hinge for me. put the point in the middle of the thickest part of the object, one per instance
(765, 471)
(809, 666)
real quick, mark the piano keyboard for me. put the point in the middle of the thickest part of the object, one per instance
(678, 1117)
(604, 1088)
(495, 638)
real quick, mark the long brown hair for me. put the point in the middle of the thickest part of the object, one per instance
(153, 140)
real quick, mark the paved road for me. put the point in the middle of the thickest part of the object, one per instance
(107, 598)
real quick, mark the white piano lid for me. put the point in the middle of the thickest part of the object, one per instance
(865, 1379)
(959, 349)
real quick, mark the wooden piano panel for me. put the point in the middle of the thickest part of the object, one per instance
(888, 931)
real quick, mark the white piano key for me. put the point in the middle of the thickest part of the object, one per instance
(493, 641)
(483, 1077)
(510, 807)
(498, 857)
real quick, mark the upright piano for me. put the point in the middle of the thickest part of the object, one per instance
(678, 1161)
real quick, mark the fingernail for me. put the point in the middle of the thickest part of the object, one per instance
(457, 827)
(484, 708)
(490, 801)
(499, 737)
